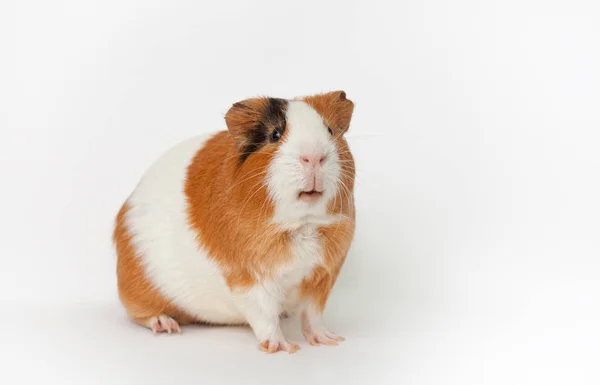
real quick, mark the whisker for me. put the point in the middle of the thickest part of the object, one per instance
(264, 206)
(335, 201)
(245, 179)
(338, 136)
(344, 152)
(260, 185)
(347, 191)
(341, 209)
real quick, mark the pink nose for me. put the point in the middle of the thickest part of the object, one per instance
(312, 160)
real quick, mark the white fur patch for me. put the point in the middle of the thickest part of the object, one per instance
(307, 254)
(307, 134)
(158, 222)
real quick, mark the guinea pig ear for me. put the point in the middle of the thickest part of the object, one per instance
(335, 108)
(250, 122)
(244, 117)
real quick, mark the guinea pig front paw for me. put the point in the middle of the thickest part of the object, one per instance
(275, 345)
(320, 336)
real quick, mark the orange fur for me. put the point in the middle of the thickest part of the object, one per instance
(229, 207)
(335, 109)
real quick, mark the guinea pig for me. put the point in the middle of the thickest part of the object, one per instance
(243, 225)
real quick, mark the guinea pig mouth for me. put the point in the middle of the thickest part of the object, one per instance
(310, 196)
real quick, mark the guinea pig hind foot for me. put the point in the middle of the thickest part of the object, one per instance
(160, 324)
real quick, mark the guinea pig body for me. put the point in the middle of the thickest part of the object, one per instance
(242, 225)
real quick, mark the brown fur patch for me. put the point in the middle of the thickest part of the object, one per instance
(229, 208)
(335, 109)
(138, 295)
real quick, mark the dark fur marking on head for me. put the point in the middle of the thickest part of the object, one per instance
(256, 139)
(273, 119)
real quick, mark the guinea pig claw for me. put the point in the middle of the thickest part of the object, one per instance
(274, 346)
(163, 323)
(322, 337)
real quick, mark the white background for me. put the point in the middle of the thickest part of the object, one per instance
(476, 134)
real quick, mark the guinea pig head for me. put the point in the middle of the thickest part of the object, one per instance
(307, 162)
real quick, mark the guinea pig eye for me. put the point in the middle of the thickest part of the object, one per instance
(330, 131)
(275, 136)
